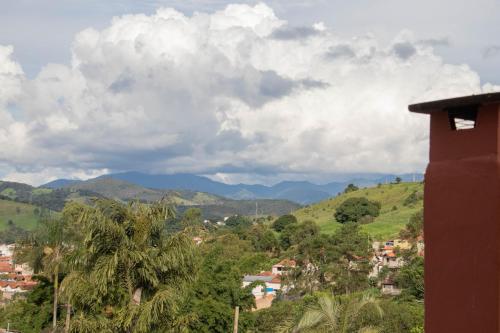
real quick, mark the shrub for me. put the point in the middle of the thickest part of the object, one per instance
(413, 198)
(351, 188)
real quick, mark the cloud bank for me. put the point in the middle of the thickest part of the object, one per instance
(231, 93)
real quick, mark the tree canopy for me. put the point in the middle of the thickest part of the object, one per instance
(283, 221)
(353, 209)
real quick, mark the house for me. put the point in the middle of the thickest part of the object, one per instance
(389, 287)
(390, 260)
(272, 283)
(402, 244)
(23, 269)
(7, 250)
(283, 266)
(10, 288)
(6, 267)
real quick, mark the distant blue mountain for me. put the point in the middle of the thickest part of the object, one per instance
(58, 183)
(302, 192)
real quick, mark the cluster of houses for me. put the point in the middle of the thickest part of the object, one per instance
(270, 283)
(387, 255)
(15, 279)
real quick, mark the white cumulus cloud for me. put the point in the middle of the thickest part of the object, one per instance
(235, 92)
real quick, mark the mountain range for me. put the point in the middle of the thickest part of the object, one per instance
(302, 192)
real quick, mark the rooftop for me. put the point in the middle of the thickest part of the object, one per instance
(464, 101)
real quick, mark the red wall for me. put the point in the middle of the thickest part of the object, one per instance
(462, 224)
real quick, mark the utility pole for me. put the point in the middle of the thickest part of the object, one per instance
(236, 316)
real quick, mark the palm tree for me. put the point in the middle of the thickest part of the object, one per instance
(45, 250)
(128, 274)
(337, 316)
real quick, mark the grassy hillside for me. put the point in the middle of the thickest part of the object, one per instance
(23, 215)
(385, 226)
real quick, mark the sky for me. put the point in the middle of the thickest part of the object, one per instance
(236, 90)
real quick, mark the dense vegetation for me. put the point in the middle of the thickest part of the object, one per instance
(115, 267)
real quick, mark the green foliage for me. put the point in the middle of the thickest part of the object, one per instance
(402, 317)
(217, 290)
(341, 260)
(411, 278)
(128, 271)
(123, 271)
(353, 209)
(414, 227)
(332, 314)
(413, 198)
(262, 238)
(284, 221)
(34, 313)
(192, 217)
(351, 188)
(293, 234)
(282, 314)
(238, 221)
(398, 180)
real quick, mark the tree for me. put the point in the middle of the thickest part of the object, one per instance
(293, 234)
(402, 316)
(411, 278)
(238, 221)
(351, 188)
(353, 209)
(192, 218)
(337, 315)
(128, 274)
(283, 221)
(414, 227)
(45, 250)
(262, 238)
(398, 180)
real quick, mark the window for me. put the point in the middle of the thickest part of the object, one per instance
(462, 118)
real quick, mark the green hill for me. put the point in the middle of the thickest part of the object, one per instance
(22, 215)
(211, 205)
(387, 225)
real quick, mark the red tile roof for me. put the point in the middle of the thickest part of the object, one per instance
(6, 267)
(287, 263)
(276, 279)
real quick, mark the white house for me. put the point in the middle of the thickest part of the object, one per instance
(272, 284)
